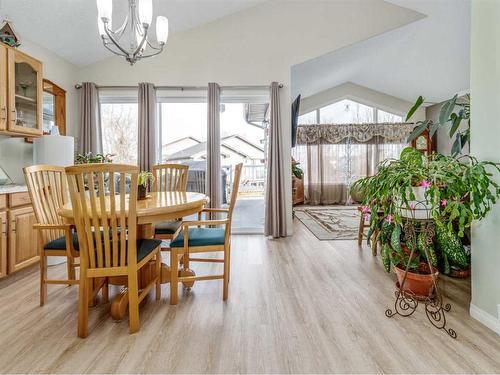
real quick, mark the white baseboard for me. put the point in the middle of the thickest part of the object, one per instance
(485, 318)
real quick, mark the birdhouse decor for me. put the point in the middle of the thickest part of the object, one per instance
(8, 36)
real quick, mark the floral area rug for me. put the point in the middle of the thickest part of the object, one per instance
(330, 222)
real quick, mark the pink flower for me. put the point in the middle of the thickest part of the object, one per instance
(366, 217)
(444, 202)
(365, 209)
(412, 205)
(389, 218)
(426, 184)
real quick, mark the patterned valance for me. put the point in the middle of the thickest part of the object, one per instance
(339, 133)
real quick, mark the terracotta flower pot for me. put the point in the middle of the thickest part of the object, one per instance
(419, 284)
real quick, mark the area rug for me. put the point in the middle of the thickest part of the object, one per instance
(330, 222)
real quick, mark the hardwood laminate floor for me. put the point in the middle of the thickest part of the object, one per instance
(296, 305)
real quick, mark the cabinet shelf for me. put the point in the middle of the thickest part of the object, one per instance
(23, 98)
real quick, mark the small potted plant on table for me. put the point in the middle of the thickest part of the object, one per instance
(144, 179)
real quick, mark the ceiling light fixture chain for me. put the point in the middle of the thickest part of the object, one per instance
(131, 40)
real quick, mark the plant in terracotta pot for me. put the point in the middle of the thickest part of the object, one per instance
(450, 192)
(144, 179)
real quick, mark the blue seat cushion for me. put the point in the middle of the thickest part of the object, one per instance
(167, 227)
(60, 243)
(201, 237)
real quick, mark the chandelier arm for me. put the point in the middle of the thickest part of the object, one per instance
(144, 40)
(159, 48)
(110, 36)
(153, 54)
(118, 53)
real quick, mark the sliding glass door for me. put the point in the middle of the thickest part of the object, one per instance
(243, 140)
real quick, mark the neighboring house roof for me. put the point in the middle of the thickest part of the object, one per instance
(228, 147)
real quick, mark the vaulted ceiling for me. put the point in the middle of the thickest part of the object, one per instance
(69, 27)
(429, 57)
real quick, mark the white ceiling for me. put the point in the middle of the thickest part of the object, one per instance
(429, 57)
(69, 27)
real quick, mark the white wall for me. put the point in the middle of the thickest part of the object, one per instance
(360, 94)
(485, 144)
(14, 152)
(255, 47)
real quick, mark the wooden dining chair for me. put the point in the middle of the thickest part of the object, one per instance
(192, 238)
(48, 191)
(106, 223)
(169, 177)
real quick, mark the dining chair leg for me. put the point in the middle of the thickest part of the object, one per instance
(70, 264)
(105, 291)
(361, 228)
(174, 276)
(43, 277)
(133, 301)
(226, 273)
(83, 307)
(158, 275)
(229, 261)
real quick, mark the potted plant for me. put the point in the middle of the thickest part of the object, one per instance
(143, 180)
(93, 158)
(453, 192)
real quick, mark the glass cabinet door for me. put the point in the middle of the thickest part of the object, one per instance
(25, 94)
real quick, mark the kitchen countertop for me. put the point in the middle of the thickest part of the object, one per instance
(13, 188)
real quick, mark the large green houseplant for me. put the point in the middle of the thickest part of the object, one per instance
(453, 191)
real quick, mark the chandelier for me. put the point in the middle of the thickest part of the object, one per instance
(131, 40)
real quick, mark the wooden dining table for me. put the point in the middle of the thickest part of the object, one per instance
(157, 207)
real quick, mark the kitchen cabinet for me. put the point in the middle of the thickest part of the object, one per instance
(22, 239)
(3, 244)
(3, 87)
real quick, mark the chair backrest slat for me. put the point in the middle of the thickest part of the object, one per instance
(170, 177)
(105, 213)
(48, 191)
(235, 188)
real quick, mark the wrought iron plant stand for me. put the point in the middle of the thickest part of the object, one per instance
(406, 302)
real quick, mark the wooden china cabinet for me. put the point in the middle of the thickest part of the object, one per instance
(21, 93)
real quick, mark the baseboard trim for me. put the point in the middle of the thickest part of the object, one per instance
(485, 318)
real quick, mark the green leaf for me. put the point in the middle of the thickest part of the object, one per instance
(418, 130)
(456, 120)
(435, 126)
(416, 106)
(447, 110)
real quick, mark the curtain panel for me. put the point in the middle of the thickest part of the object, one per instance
(147, 126)
(90, 131)
(335, 156)
(213, 175)
(275, 217)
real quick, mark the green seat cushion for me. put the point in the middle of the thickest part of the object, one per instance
(60, 243)
(145, 247)
(167, 227)
(201, 237)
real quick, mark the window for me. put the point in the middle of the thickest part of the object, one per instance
(383, 116)
(119, 131)
(183, 137)
(346, 112)
(309, 118)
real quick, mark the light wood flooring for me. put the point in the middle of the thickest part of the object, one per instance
(295, 305)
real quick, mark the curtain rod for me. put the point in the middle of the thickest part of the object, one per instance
(181, 88)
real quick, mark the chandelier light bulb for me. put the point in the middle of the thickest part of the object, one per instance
(162, 29)
(146, 11)
(105, 9)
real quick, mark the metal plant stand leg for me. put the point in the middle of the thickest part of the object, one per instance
(406, 302)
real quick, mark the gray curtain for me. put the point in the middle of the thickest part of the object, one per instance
(147, 126)
(90, 134)
(213, 179)
(275, 221)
